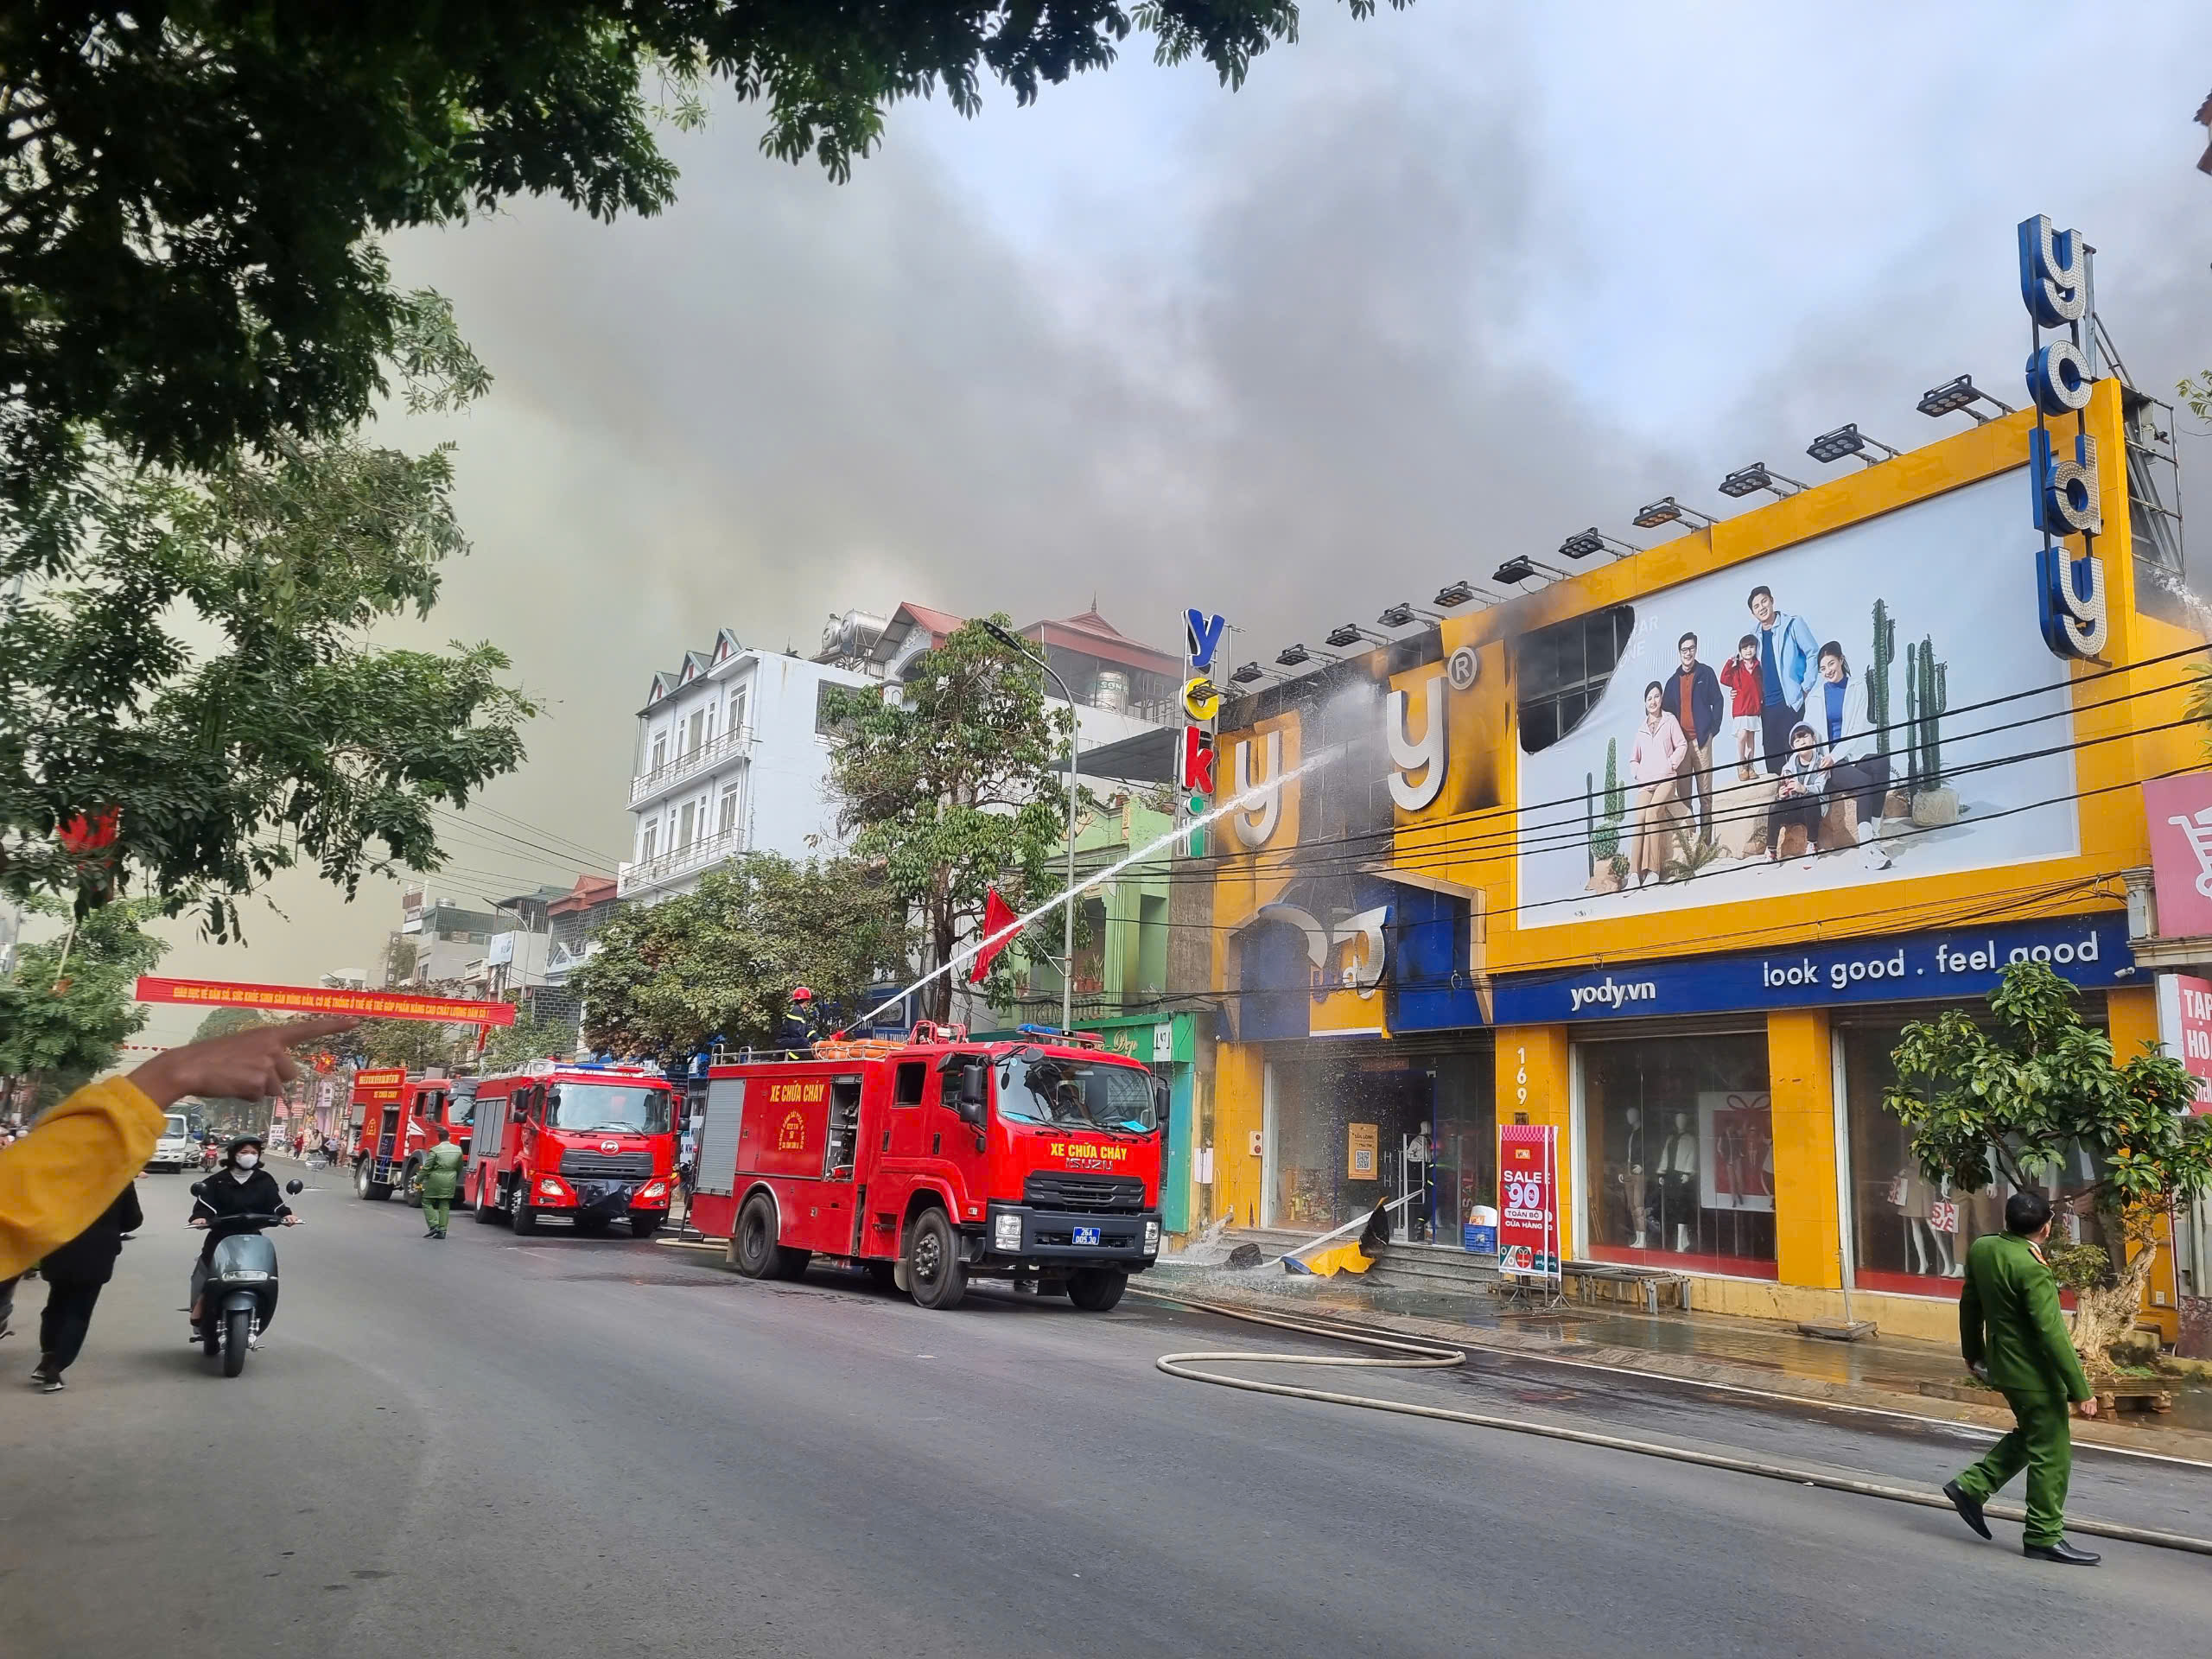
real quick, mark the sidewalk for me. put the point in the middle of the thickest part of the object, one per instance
(1893, 1374)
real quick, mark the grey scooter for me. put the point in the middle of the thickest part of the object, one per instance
(237, 1298)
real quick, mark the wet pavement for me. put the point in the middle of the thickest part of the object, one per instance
(1896, 1365)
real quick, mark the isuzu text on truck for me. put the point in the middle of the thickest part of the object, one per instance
(396, 1113)
(936, 1160)
(593, 1142)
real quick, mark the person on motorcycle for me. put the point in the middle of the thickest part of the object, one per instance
(241, 1187)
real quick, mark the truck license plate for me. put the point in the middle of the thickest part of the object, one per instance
(1086, 1235)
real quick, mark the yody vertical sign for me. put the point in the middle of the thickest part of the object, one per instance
(1527, 1193)
(1194, 771)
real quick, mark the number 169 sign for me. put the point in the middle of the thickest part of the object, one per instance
(1528, 1192)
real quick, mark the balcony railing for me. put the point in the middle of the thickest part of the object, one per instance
(636, 876)
(728, 746)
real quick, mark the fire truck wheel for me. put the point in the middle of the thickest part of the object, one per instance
(487, 1207)
(1097, 1289)
(752, 1244)
(520, 1216)
(643, 1223)
(936, 1276)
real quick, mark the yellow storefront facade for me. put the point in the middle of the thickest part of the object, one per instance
(1664, 852)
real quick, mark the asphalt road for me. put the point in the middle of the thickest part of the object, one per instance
(494, 1446)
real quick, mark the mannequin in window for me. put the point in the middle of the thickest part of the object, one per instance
(1634, 1186)
(1678, 1205)
(1927, 1251)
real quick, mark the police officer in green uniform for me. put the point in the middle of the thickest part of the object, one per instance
(441, 1180)
(2013, 1336)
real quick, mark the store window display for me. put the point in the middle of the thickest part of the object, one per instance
(1679, 1132)
(1908, 1234)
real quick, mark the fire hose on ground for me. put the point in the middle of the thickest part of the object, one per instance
(1406, 1353)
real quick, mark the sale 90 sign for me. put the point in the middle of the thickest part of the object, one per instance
(1527, 1195)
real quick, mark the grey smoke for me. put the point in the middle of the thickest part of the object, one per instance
(1295, 354)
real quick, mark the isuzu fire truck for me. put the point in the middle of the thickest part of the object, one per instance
(588, 1140)
(394, 1115)
(936, 1160)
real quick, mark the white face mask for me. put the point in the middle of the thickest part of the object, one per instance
(248, 1160)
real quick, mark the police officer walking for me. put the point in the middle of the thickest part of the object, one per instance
(2012, 1335)
(441, 1180)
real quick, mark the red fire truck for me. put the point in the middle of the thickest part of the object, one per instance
(589, 1141)
(394, 1115)
(938, 1159)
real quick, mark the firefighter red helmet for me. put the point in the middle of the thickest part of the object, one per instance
(800, 993)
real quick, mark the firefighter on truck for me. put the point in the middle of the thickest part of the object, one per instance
(937, 1161)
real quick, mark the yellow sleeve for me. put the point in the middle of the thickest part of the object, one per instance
(56, 1181)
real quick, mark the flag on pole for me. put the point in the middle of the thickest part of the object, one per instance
(998, 919)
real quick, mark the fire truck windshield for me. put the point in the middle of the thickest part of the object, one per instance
(1039, 1088)
(590, 1106)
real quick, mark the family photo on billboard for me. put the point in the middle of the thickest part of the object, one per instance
(1873, 702)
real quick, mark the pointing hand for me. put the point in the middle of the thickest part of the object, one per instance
(242, 1065)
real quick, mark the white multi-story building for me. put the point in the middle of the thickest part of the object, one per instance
(732, 757)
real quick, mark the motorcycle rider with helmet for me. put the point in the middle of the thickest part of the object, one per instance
(241, 1187)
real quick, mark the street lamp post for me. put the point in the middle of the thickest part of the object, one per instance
(1013, 641)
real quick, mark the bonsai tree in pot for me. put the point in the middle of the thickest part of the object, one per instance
(2026, 1102)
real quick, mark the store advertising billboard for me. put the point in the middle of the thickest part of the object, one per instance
(1918, 705)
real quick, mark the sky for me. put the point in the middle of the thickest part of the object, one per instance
(1432, 288)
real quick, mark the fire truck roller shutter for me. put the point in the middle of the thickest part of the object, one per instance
(717, 1149)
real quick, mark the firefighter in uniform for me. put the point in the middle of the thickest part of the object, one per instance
(799, 1032)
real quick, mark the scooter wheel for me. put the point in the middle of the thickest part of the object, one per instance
(238, 1335)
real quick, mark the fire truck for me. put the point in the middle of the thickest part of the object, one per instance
(592, 1141)
(934, 1160)
(394, 1113)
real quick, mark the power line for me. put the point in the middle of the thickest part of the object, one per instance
(1503, 843)
(1525, 838)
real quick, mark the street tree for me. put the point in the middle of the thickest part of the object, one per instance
(509, 1048)
(955, 787)
(415, 1044)
(221, 1022)
(722, 960)
(191, 675)
(2020, 1103)
(196, 194)
(67, 1007)
(227, 1110)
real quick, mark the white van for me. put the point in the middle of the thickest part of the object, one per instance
(175, 1149)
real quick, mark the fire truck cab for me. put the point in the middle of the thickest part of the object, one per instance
(396, 1113)
(936, 1160)
(592, 1141)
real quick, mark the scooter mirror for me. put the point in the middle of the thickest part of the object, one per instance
(295, 1186)
(199, 1187)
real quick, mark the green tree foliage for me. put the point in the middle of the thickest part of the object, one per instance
(956, 787)
(194, 192)
(415, 1044)
(232, 1113)
(2016, 1103)
(194, 650)
(221, 1022)
(509, 1048)
(66, 1036)
(723, 959)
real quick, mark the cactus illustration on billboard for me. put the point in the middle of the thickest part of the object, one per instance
(1605, 834)
(1878, 674)
(1926, 694)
